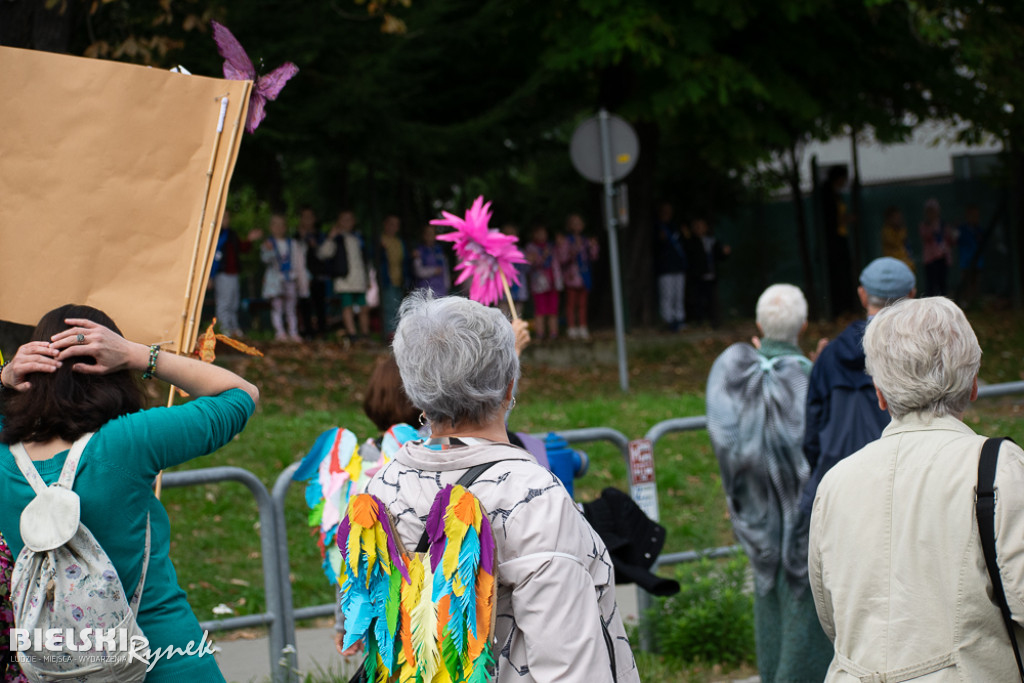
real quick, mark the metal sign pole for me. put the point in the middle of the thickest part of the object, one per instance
(613, 247)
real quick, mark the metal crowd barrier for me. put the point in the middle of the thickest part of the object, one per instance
(1004, 389)
(272, 583)
(290, 655)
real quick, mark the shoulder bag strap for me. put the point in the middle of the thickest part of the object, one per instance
(70, 469)
(29, 471)
(467, 478)
(986, 513)
(610, 644)
(137, 596)
(67, 473)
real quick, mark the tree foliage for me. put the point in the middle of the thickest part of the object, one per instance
(403, 105)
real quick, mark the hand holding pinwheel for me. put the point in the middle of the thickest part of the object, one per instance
(485, 254)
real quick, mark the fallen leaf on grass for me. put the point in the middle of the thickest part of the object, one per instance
(244, 634)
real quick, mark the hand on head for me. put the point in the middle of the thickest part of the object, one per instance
(82, 338)
(87, 338)
(95, 348)
(32, 357)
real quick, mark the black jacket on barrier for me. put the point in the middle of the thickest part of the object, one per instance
(633, 539)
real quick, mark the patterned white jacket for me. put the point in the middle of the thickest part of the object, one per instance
(556, 583)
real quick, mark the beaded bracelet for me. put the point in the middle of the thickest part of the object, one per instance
(150, 372)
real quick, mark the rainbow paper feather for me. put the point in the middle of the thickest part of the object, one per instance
(425, 617)
(335, 472)
(372, 579)
(484, 254)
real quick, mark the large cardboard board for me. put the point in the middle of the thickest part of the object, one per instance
(112, 186)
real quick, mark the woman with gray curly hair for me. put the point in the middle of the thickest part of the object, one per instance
(896, 562)
(557, 619)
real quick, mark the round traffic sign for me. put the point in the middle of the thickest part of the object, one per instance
(585, 148)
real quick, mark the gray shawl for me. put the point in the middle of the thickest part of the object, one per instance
(755, 413)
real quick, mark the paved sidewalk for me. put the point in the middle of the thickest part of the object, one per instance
(248, 661)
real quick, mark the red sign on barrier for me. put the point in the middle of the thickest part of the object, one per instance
(641, 462)
(642, 487)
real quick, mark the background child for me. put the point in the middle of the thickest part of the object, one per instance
(520, 292)
(545, 282)
(575, 254)
(285, 278)
(894, 236)
(429, 264)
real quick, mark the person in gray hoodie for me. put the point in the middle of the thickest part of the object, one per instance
(557, 619)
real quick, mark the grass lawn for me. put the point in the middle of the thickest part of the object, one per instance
(307, 389)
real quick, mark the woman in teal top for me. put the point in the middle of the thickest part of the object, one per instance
(79, 376)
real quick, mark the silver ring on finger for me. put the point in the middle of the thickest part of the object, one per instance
(80, 338)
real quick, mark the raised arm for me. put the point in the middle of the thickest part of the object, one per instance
(329, 247)
(113, 352)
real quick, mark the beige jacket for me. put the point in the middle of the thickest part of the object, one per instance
(895, 561)
(556, 583)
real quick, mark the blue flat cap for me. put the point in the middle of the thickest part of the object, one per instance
(888, 278)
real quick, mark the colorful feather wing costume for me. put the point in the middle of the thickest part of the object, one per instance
(336, 470)
(424, 617)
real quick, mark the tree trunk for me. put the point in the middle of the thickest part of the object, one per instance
(856, 220)
(636, 241)
(1015, 221)
(793, 177)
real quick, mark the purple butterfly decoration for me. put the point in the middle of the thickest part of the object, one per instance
(238, 67)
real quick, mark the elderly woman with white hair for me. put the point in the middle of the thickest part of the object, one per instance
(896, 561)
(755, 411)
(557, 619)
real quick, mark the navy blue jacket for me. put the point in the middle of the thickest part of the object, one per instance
(842, 409)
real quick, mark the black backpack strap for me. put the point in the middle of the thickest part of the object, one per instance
(610, 644)
(467, 478)
(986, 511)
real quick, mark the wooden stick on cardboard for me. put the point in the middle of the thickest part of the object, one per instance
(185, 338)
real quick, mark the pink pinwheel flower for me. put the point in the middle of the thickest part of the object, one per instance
(484, 254)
